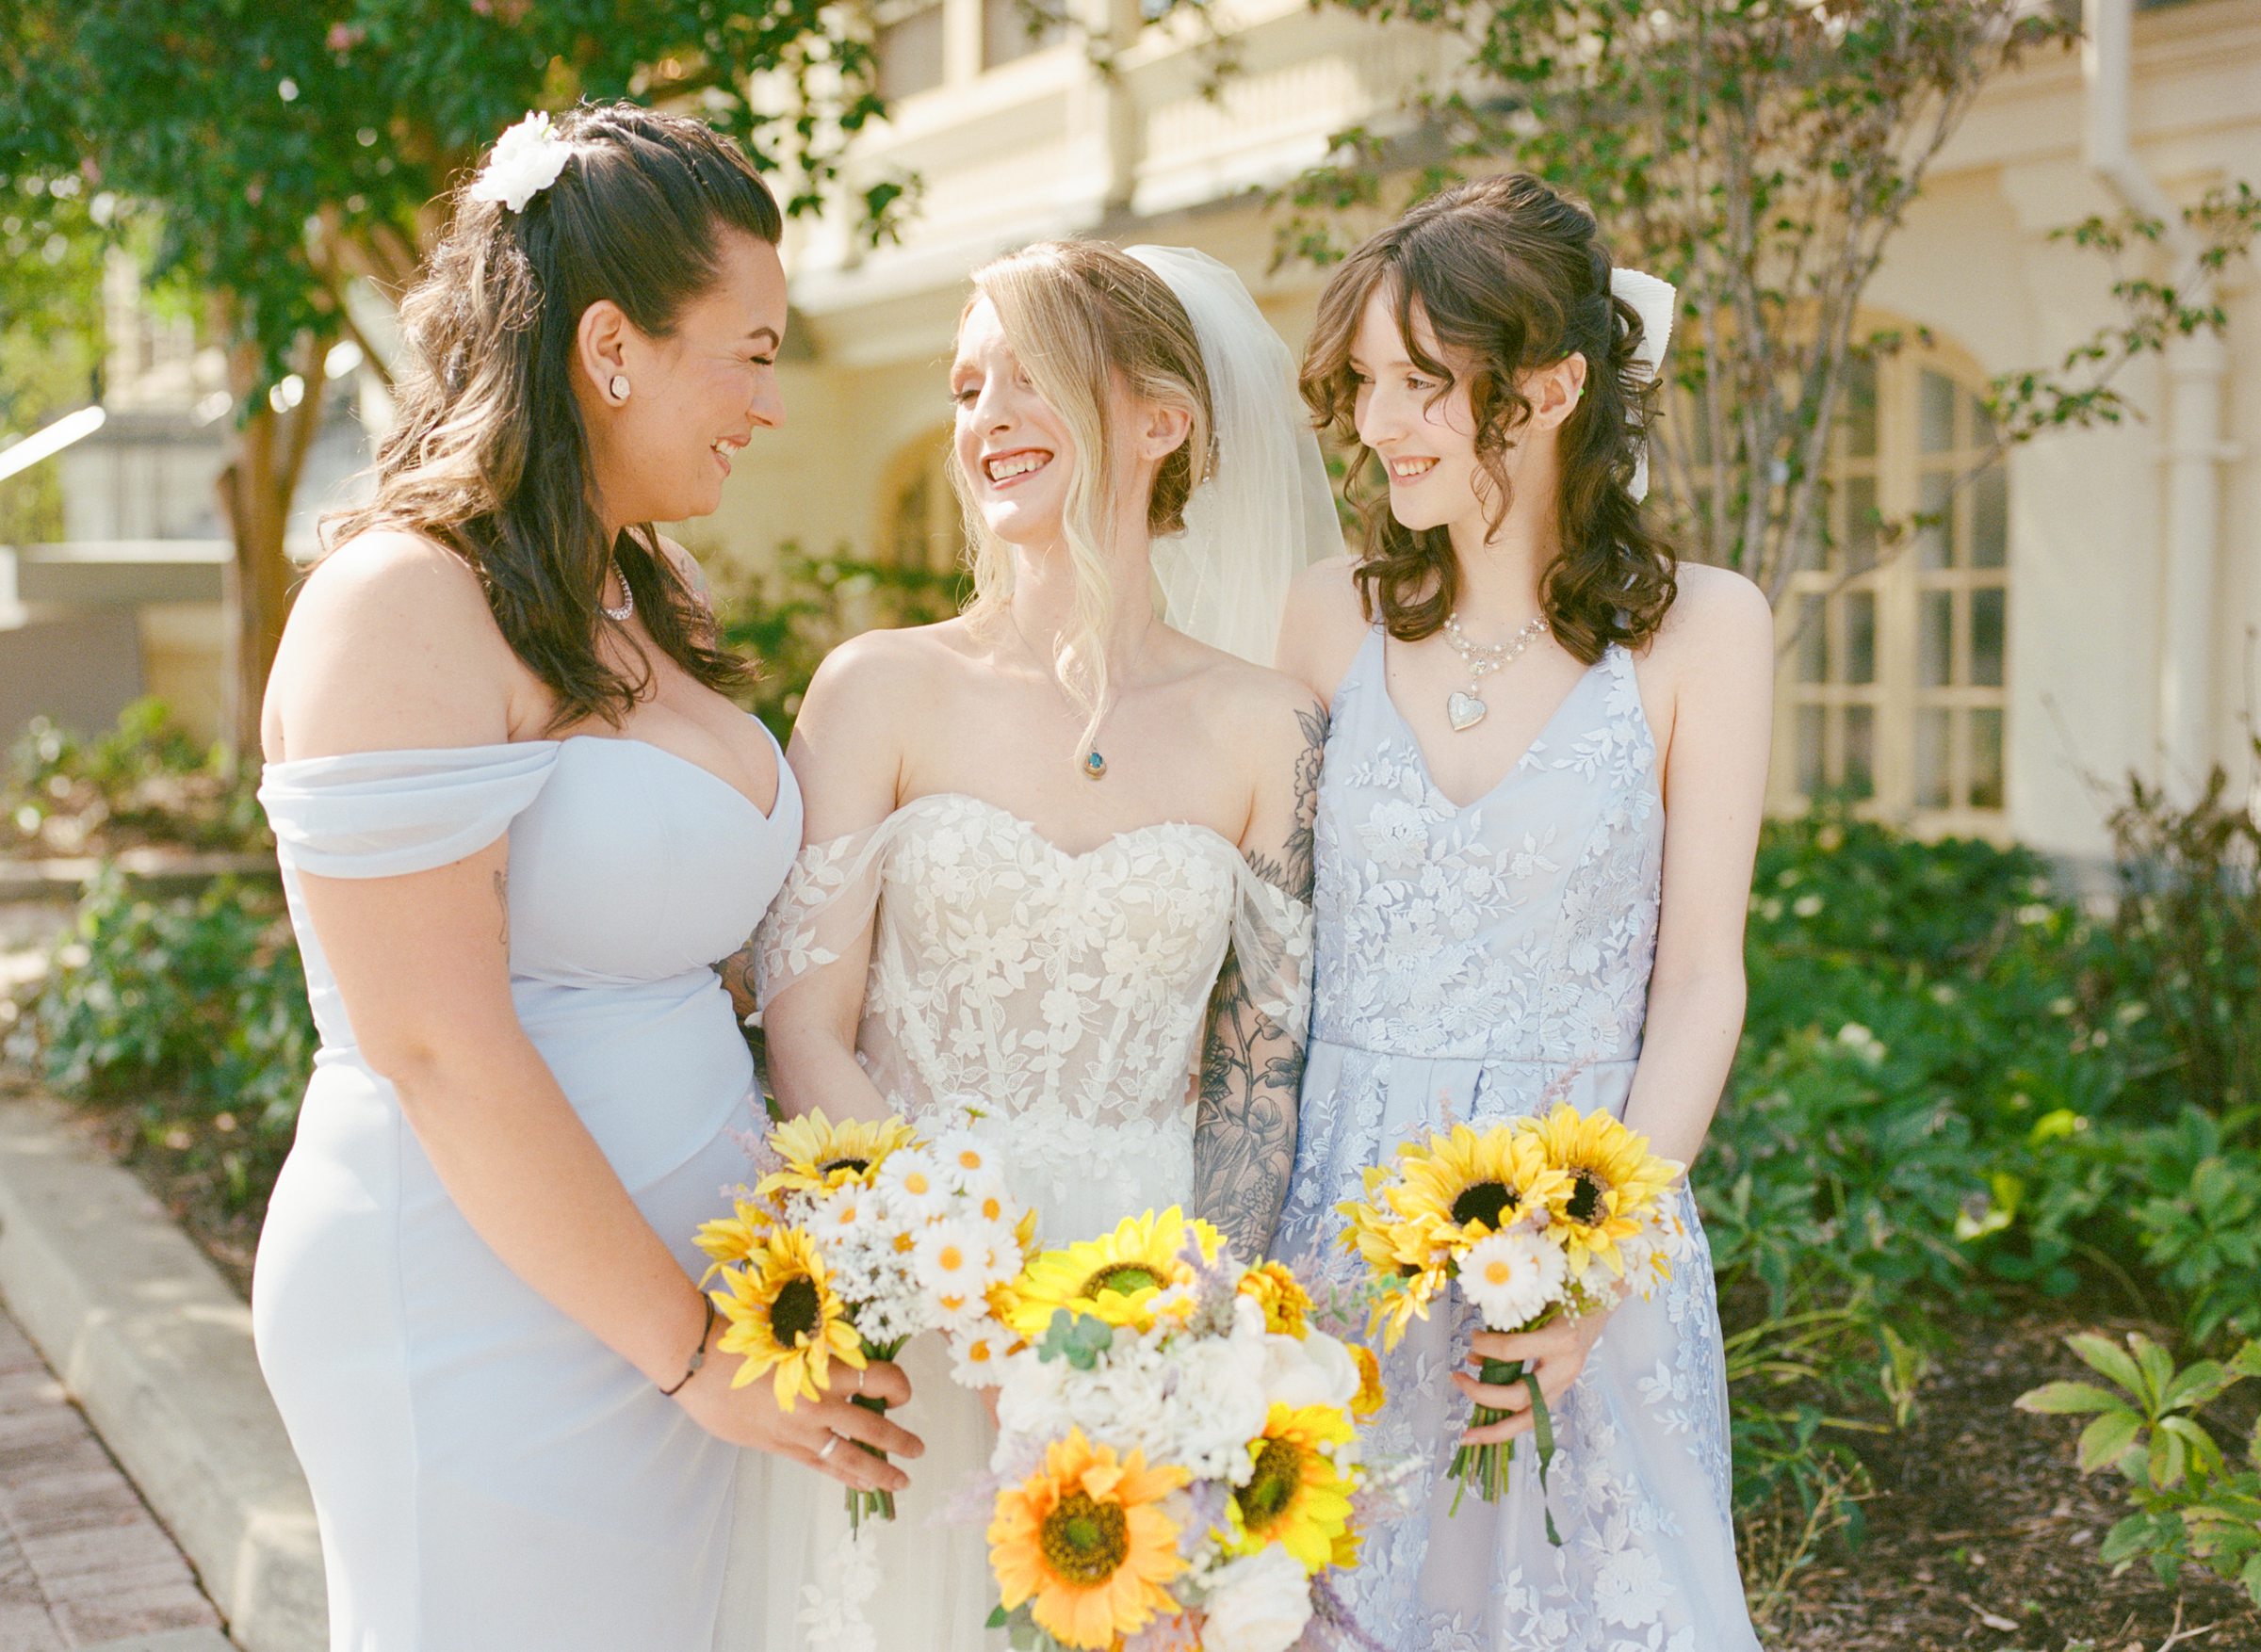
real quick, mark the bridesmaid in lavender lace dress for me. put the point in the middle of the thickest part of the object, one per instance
(1536, 820)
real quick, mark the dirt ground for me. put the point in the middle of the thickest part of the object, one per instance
(1982, 1534)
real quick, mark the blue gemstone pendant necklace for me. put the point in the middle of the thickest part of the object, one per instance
(1093, 764)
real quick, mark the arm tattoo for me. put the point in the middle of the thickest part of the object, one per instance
(1252, 1070)
(502, 899)
(737, 979)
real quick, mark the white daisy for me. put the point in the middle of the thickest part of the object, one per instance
(1512, 1277)
(977, 1361)
(911, 1182)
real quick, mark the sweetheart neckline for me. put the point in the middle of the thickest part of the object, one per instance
(1071, 856)
(768, 815)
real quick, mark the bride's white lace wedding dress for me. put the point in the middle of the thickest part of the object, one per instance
(1065, 994)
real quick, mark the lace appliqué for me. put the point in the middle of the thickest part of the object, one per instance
(1477, 963)
(1065, 994)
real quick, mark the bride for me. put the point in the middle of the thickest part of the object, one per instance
(1059, 856)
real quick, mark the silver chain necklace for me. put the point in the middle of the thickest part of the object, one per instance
(1092, 764)
(626, 610)
(1465, 708)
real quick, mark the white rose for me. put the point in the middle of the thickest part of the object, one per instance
(1317, 1370)
(1259, 1603)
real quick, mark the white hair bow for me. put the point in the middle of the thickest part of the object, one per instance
(1655, 303)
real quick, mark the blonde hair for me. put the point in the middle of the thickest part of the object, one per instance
(1083, 319)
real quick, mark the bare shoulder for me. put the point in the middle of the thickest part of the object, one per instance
(390, 643)
(375, 573)
(1322, 624)
(1268, 721)
(687, 569)
(1717, 611)
(876, 676)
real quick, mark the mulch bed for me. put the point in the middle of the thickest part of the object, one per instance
(1982, 1534)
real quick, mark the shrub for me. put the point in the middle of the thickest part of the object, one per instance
(142, 782)
(2192, 1503)
(2189, 929)
(193, 1009)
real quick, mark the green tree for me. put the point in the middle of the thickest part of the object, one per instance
(296, 154)
(1760, 156)
(54, 233)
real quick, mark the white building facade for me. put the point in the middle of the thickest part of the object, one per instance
(2090, 608)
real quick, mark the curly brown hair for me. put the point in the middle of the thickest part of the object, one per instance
(1511, 275)
(489, 455)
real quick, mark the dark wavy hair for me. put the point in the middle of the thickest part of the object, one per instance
(1511, 275)
(489, 455)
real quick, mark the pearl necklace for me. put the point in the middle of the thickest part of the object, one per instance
(1465, 708)
(626, 610)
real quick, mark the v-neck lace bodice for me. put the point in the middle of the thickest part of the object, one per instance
(1520, 925)
(1064, 994)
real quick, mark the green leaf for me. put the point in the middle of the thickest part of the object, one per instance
(2104, 1440)
(998, 1615)
(2156, 1364)
(2193, 1385)
(2108, 1359)
(2169, 1455)
(2067, 1399)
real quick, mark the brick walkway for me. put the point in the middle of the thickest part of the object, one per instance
(83, 1562)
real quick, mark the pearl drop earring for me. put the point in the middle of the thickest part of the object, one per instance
(618, 388)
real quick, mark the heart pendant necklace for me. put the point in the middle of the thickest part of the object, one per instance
(1465, 707)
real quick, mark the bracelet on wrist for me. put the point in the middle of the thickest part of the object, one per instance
(698, 1354)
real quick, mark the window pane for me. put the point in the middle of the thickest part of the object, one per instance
(1813, 641)
(1861, 410)
(1860, 636)
(1989, 518)
(1978, 430)
(1931, 758)
(1935, 412)
(1860, 751)
(1986, 636)
(1809, 777)
(1861, 521)
(1935, 541)
(1986, 760)
(1935, 639)
(1005, 33)
(910, 54)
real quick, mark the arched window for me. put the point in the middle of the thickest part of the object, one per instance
(1894, 693)
(918, 522)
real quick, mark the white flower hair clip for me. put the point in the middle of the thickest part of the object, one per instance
(1656, 302)
(527, 160)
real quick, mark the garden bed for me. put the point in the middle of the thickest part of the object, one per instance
(1982, 1534)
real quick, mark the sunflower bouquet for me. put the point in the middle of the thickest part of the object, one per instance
(1180, 1461)
(1536, 1219)
(861, 1235)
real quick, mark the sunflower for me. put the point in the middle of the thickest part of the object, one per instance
(1287, 1306)
(1610, 1178)
(821, 1155)
(1085, 1537)
(1476, 1183)
(1296, 1496)
(1116, 1277)
(783, 1313)
(1369, 1398)
(733, 1238)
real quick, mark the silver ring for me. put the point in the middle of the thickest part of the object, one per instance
(825, 1450)
(861, 1373)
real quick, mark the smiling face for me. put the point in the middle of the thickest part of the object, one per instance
(695, 396)
(1421, 426)
(1016, 450)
